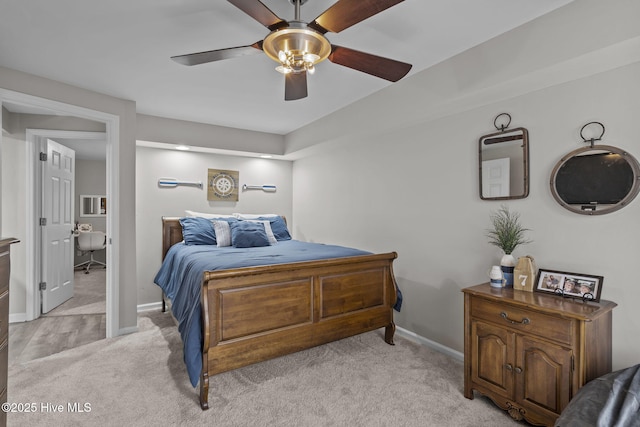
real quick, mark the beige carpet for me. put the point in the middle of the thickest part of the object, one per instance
(140, 380)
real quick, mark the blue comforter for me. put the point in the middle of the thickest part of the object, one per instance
(180, 278)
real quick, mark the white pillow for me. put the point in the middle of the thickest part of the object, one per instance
(223, 233)
(252, 216)
(267, 229)
(206, 215)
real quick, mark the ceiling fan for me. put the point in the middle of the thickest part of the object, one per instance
(298, 46)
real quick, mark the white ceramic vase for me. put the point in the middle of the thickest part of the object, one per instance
(507, 264)
(496, 279)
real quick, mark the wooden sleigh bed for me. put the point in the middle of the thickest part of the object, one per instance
(253, 314)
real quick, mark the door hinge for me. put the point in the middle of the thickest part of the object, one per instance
(43, 221)
(573, 363)
(43, 157)
(43, 286)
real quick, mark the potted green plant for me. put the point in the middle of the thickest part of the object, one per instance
(507, 234)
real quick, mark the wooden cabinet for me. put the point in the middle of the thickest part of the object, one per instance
(530, 352)
(4, 321)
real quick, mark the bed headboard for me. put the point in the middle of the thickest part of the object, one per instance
(172, 232)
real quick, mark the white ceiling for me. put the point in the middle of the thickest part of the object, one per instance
(122, 48)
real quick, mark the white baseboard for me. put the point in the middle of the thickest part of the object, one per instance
(140, 308)
(17, 317)
(150, 306)
(431, 344)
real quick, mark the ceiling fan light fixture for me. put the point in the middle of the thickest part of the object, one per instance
(296, 48)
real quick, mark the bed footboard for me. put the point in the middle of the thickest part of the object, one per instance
(258, 313)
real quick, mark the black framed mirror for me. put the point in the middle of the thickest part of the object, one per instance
(504, 164)
(595, 180)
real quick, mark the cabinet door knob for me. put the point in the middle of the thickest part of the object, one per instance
(505, 316)
(509, 367)
(518, 370)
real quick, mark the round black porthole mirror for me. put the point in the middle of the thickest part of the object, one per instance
(595, 180)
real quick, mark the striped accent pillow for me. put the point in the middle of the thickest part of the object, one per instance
(223, 233)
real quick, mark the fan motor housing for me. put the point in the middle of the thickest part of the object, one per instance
(298, 40)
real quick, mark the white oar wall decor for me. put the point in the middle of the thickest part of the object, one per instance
(172, 182)
(269, 188)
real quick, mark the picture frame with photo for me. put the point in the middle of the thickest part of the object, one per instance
(576, 285)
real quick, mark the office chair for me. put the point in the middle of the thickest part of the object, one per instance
(90, 241)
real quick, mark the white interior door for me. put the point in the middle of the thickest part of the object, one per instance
(495, 178)
(58, 189)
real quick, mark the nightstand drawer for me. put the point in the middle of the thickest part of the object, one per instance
(540, 324)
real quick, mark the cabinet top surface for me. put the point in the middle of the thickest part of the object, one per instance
(566, 307)
(8, 240)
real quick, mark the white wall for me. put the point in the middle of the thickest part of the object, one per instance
(399, 170)
(154, 202)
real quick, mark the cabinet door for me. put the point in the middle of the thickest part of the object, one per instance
(543, 376)
(492, 358)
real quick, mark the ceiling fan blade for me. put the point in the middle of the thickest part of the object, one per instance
(295, 86)
(218, 55)
(378, 66)
(346, 13)
(261, 13)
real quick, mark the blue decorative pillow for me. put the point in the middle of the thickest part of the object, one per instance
(248, 234)
(278, 226)
(267, 229)
(197, 231)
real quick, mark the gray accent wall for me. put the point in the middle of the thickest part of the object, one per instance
(398, 171)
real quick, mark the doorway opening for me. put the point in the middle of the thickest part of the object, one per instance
(32, 190)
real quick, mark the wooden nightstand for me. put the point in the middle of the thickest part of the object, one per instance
(530, 352)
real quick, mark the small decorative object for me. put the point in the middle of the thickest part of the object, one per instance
(574, 285)
(507, 234)
(496, 278)
(267, 187)
(503, 160)
(222, 185)
(524, 275)
(595, 179)
(172, 182)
